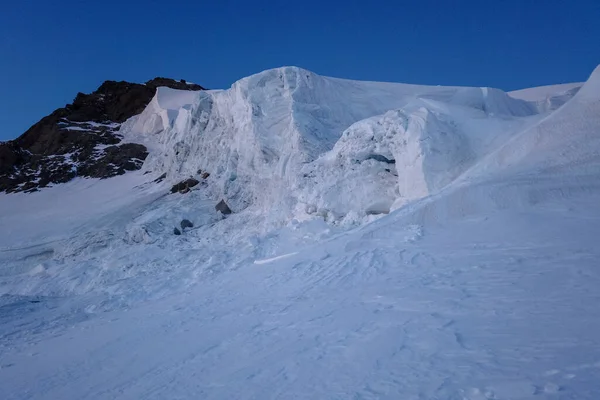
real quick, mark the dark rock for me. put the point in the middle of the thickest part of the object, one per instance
(10, 157)
(173, 84)
(176, 231)
(186, 223)
(160, 178)
(184, 186)
(81, 139)
(379, 157)
(192, 182)
(116, 160)
(177, 187)
(205, 175)
(223, 208)
(28, 187)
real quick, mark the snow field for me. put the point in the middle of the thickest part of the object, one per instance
(388, 241)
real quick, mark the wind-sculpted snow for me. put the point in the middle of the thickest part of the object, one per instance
(388, 241)
(384, 160)
(548, 98)
(261, 139)
(493, 102)
(566, 139)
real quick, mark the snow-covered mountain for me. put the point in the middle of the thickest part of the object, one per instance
(81, 139)
(387, 241)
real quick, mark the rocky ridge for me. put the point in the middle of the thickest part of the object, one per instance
(81, 139)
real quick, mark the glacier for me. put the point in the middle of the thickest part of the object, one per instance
(388, 241)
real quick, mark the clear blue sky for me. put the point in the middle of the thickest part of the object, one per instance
(50, 50)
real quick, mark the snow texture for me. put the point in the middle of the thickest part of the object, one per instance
(387, 241)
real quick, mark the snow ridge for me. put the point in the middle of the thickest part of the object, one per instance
(259, 138)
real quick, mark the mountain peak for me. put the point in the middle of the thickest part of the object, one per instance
(173, 84)
(81, 139)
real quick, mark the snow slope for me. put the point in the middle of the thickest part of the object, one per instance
(544, 92)
(548, 98)
(566, 138)
(391, 241)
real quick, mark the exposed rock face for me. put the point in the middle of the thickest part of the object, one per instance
(80, 139)
(380, 158)
(186, 223)
(184, 186)
(223, 208)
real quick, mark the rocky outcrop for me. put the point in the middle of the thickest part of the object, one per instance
(184, 186)
(223, 208)
(186, 223)
(380, 158)
(81, 139)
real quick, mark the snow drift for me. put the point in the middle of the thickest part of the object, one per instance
(567, 138)
(284, 142)
(388, 241)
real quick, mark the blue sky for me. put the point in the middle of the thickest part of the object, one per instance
(49, 51)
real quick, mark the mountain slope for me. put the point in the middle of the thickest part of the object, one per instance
(81, 139)
(389, 241)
